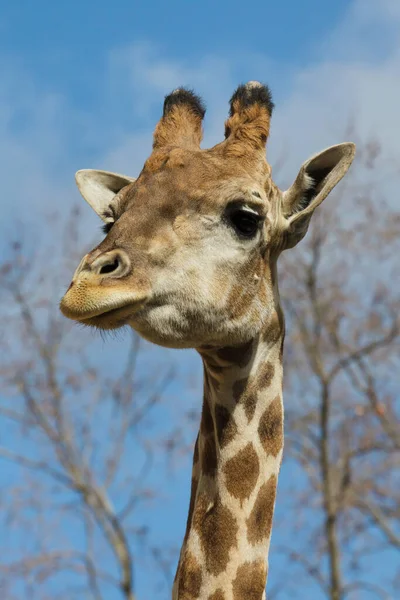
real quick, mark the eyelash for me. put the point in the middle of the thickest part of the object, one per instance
(107, 226)
(245, 223)
(257, 219)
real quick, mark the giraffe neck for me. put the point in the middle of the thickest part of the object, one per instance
(235, 470)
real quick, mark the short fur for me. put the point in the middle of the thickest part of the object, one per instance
(251, 93)
(175, 267)
(247, 128)
(187, 98)
(180, 124)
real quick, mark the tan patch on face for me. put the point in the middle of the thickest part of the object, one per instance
(226, 426)
(156, 161)
(241, 473)
(259, 523)
(218, 595)
(238, 355)
(263, 293)
(190, 578)
(222, 284)
(270, 428)
(242, 292)
(217, 530)
(250, 580)
(245, 390)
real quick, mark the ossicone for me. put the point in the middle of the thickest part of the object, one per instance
(186, 98)
(247, 127)
(181, 122)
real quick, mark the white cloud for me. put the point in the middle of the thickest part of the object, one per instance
(352, 89)
(353, 77)
(354, 83)
(147, 77)
(31, 150)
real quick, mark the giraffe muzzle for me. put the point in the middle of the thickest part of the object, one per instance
(96, 288)
(114, 263)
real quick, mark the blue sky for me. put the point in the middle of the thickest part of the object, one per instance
(83, 84)
(67, 44)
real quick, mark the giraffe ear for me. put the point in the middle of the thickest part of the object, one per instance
(316, 178)
(98, 188)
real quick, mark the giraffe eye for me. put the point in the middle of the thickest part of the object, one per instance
(245, 222)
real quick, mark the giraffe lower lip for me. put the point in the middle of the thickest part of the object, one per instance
(71, 305)
(113, 318)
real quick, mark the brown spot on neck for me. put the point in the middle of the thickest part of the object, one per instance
(265, 375)
(250, 403)
(217, 530)
(207, 442)
(250, 580)
(208, 455)
(241, 473)
(190, 578)
(270, 428)
(237, 355)
(246, 390)
(259, 523)
(207, 423)
(225, 424)
(193, 489)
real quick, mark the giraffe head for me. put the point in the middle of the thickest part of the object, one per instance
(190, 246)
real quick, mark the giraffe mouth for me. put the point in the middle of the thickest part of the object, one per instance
(110, 319)
(104, 313)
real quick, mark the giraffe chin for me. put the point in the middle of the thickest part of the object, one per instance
(109, 320)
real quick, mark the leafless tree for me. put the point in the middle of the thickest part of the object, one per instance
(77, 442)
(342, 301)
(76, 447)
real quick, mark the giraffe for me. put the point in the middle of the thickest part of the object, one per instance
(189, 260)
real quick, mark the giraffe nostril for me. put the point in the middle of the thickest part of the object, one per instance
(109, 268)
(114, 263)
